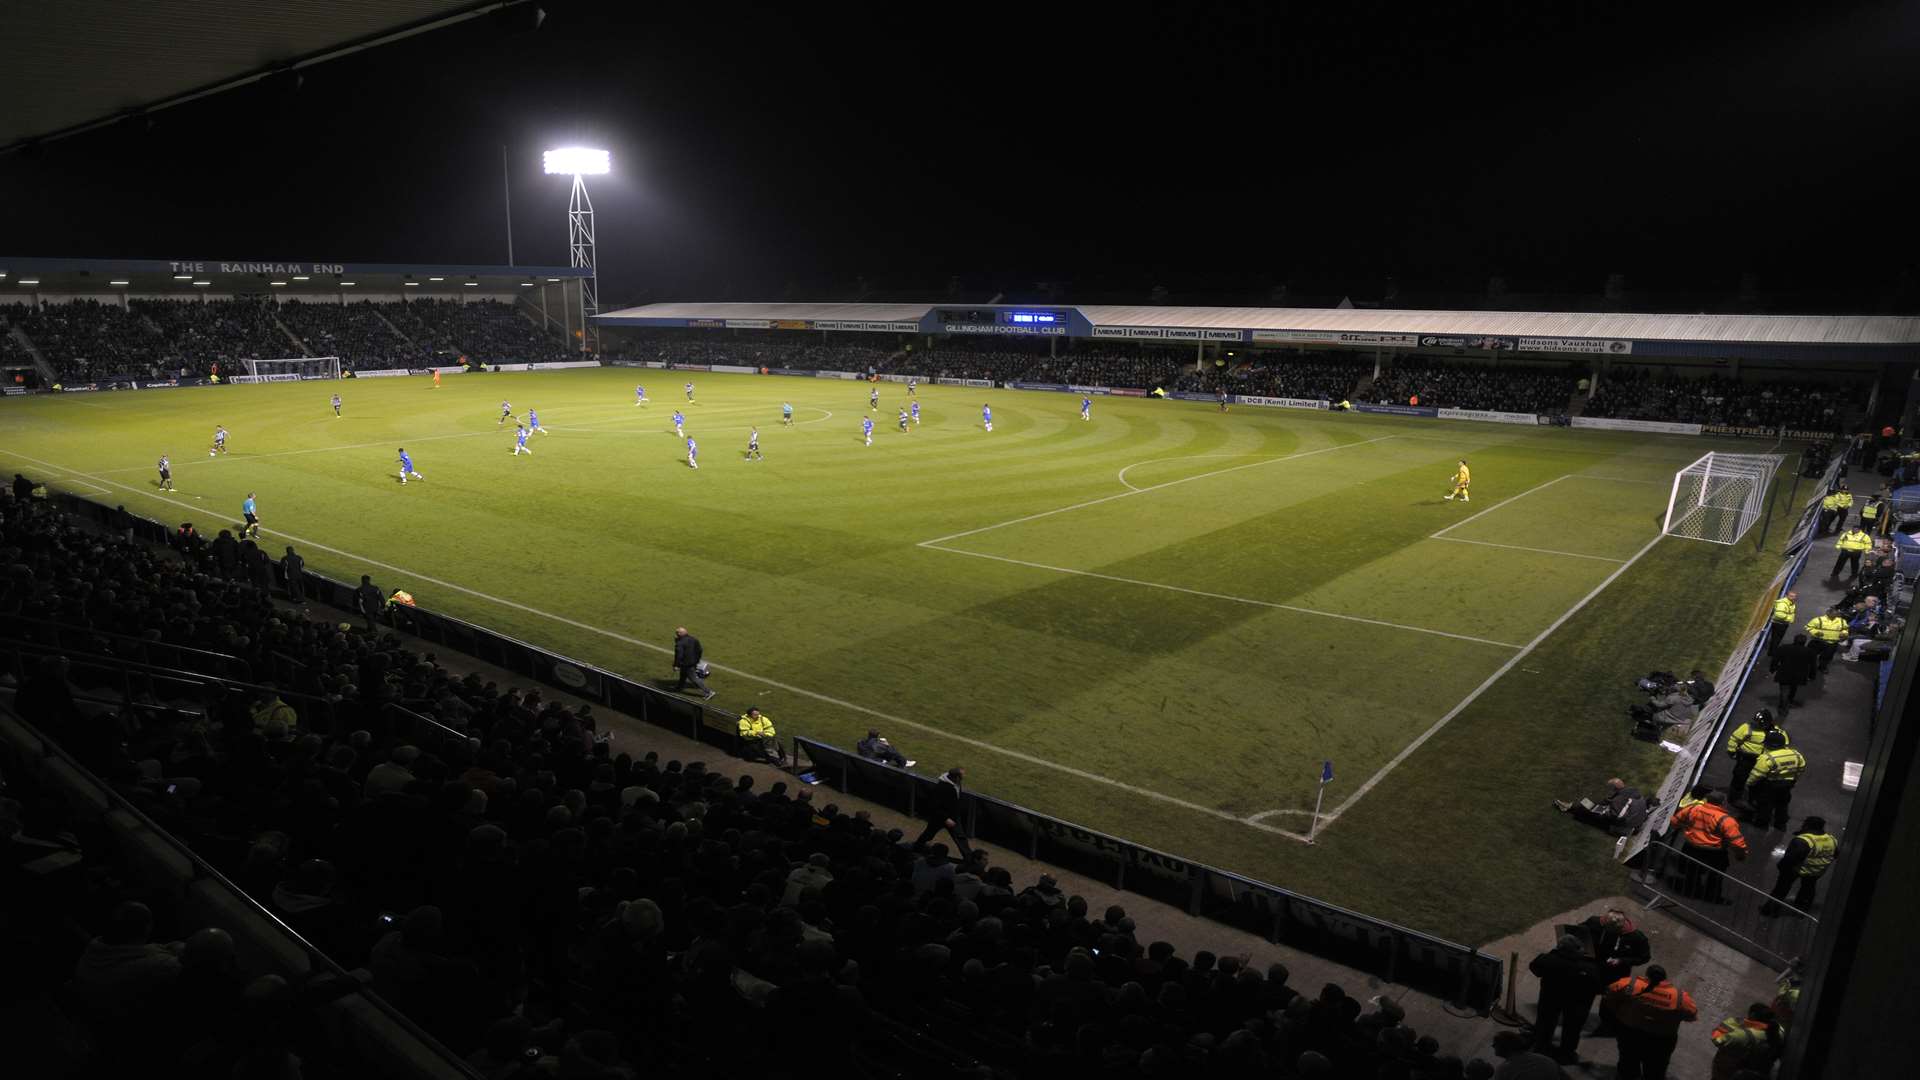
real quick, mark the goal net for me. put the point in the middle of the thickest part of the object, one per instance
(1720, 497)
(290, 369)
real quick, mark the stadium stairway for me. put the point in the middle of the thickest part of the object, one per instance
(40, 364)
(389, 323)
(300, 347)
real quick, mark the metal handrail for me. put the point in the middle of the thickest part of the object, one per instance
(206, 869)
(140, 641)
(175, 674)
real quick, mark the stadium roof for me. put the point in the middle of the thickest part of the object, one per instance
(1329, 325)
(77, 64)
(61, 277)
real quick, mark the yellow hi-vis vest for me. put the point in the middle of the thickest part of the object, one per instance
(1830, 502)
(1750, 739)
(1820, 851)
(1782, 765)
(400, 597)
(1843, 500)
(1870, 511)
(1855, 540)
(1784, 611)
(1828, 628)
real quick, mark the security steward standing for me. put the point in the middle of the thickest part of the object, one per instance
(1649, 1011)
(1771, 782)
(1852, 544)
(1785, 611)
(1746, 744)
(1808, 857)
(1874, 511)
(1710, 839)
(1747, 1046)
(1828, 631)
(1833, 508)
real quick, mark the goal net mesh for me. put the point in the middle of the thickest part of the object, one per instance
(1719, 497)
(290, 369)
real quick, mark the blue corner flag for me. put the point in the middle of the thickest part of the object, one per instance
(1326, 772)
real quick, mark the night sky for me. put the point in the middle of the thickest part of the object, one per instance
(1218, 151)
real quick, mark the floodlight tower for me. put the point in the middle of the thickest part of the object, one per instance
(580, 162)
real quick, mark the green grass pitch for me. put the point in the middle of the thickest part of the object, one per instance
(1157, 623)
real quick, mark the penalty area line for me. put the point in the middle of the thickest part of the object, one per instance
(980, 744)
(1406, 752)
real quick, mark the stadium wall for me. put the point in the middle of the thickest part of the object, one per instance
(1458, 972)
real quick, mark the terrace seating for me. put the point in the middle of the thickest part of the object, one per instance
(1800, 404)
(195, 336)
(1489, 387)
(621, 915)
(355, 333)
(86, 340)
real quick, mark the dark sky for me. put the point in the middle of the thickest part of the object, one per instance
(790, 151)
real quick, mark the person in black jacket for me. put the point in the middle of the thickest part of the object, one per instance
(1569, 981)
(943, 812)
(370, 599)
(1793, 665)
(686, 660)
(295, 569)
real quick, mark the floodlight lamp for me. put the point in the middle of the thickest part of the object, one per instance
(577, 161)
(119, 283)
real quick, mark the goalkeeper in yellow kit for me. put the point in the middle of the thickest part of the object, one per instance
(1461, 478)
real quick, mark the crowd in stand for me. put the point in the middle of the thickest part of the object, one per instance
(195, 336)
(1143, 370)
(1489, 387)
(85, 340)
(484, 331)
(1799, 404)
(1312, 376)
(356, 333)
(561, 906)
(771, 349)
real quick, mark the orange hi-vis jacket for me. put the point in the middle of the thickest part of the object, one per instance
(1704, 825)
(1656, 1010)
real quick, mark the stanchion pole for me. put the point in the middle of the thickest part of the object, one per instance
(1508, 1014)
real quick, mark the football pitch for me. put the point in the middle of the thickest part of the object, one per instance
(1157, 623)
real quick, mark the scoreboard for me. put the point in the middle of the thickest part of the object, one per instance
(1015, 321)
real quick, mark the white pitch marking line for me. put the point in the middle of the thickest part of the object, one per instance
(1521, 547)
(1619, 479)
(1184, 457)
(981, 744)
(1496, 506)
(1141, 491)
(1227, 597)
(1333, 815)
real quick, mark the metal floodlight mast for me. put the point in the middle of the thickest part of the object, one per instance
(580, 162)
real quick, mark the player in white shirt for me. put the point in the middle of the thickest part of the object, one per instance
(219, 441)
(873, 398)
(506, 413)
(689, 392)
(753, 445)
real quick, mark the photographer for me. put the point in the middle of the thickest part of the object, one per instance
(1670, 703)
(1619, 809)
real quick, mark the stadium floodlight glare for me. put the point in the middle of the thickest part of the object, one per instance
(299, 277)
(30, 281)
(203, 283)
(119, 282)
(183, 277)
(277, 284)
(436, 279)
(345, 283)
(551, 279)
(469, 284)
(577, 161)
(411, 284)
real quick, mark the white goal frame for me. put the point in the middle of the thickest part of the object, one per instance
(289, 369)
(1720, 496)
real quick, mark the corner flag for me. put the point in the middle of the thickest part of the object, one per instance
(1326, 772)
(1326, 777)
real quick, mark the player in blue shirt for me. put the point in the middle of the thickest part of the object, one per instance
(247, 512)
(520, 433)
(639, 395)
(866, 429)
(1086, 408)
(689, 392)
(679, 423)
(986, 416)
(786, 413)
(873, 398)
(166, 473)
(916, 410)
(406, 467)
(533, 422)
(693, 453)
(219, 441)
(506, 413)
(753, 445)
(336, 404)
(903, 418)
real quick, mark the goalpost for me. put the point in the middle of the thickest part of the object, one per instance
(290, 369)
(1719, 497)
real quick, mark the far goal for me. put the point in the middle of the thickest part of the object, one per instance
(1720, 497)
(290, 369)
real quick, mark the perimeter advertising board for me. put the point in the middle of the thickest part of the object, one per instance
(1168, 333)
(1337, 337)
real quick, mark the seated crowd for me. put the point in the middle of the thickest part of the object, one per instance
(483, 331)
(357, 333)
(1639, 393)
(1143, 370)
(86, 340)
(1543, 389)
(1312, 376)
(195, 336)
(529, 895)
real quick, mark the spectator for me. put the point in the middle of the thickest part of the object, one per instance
(392, 776)
(1617, 944)
(370, 599)
(121, 969)
(294, 568)
(1569, 981)
(875, 747)
(815, 873)
(1517, 1062)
